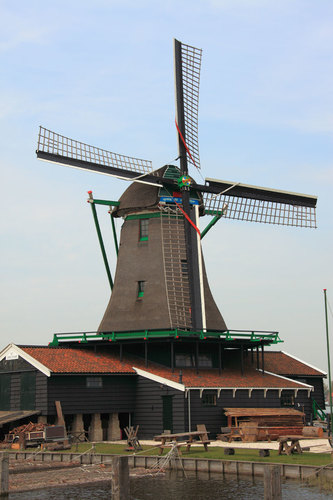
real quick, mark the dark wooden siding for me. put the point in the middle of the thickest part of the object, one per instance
(117, 394)
(149, 410)
(15, 365)
(317, 394)
(213, 416)
(41, 392)
(5, 389)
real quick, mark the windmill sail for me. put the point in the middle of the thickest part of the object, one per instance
(187, 66)
(60, 149)
(257, 204)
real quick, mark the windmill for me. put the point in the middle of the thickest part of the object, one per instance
(160, 281)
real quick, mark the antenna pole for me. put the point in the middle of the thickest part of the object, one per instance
(190, 234)
(328, 363)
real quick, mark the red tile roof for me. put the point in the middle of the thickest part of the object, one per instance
(229, 378)
(70, 360)
(285, 364)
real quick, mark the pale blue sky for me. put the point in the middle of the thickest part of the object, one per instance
(102, 72)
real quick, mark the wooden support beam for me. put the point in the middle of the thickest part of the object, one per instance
(272, 482)
(4, 474)
(146, 354)
(120, 478)
(242, 359)
(262, 359)
(257, 358)
(172, 356)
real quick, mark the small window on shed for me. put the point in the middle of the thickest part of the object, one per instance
(287, 400)
(208, 399)
(143, 229)
(94, 382)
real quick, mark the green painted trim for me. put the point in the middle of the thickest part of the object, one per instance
(143, 238)
(229, 335)
(150, 216)
(114, 234)
(213, 212)
(210, 225)
(143, 216)
(106, 202)
(100, 239)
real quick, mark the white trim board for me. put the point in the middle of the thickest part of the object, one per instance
(286, 378)
(160, 380)
(12, 349)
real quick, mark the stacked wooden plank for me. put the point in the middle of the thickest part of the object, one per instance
(269, 422)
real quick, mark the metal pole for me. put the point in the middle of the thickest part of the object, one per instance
(201, 284)
(100, 239)
(328, 362)
(189, 409)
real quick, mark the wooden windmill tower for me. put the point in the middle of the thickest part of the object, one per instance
(160, 282)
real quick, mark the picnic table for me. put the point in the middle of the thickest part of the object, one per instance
(189, 438)
(287, 449)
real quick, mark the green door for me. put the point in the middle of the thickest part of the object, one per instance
(28, 390)
(167, 413)
(5, 380)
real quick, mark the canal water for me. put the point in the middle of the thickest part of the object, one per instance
(176, 487)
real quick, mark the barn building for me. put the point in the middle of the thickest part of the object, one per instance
(103, 388)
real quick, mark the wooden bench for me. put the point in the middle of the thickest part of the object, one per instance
(199, 436)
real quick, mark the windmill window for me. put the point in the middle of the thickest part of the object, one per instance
(184, 266)
(141, 289)
(143, 229)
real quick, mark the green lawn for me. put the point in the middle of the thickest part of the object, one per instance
(251, 455)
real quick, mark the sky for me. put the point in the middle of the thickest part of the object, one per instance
(102, 72)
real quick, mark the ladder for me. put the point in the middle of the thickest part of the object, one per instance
(175, 268)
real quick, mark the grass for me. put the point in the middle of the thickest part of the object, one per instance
(250, 455)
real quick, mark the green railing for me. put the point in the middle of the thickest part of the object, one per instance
(229, 335)
(318, 412)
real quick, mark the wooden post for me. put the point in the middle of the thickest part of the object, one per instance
(120, 478)
(272, 482)
(4, 474)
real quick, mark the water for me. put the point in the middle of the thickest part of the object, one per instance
(171, 487)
